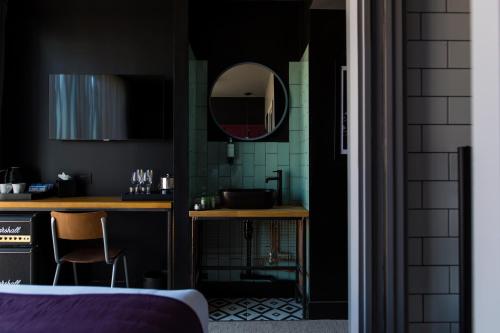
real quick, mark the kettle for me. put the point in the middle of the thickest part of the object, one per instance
(166, 183)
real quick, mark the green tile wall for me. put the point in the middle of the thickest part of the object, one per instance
(254, 161)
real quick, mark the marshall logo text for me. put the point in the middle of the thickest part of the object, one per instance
(9, 230)
(10, 282)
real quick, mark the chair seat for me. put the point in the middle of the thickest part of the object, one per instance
(90, 255)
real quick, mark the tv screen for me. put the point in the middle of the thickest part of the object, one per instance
(107, 107)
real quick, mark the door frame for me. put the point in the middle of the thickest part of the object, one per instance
(376, 166)
(485, 28)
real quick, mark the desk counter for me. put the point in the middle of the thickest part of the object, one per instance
(82, 203)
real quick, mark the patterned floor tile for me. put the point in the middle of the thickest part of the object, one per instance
(274, 303)
(232, 318)
(294, 318)
(218, 315)
(248, 303)
(249, 315)
(224, 309)
(261, 318)
(233, 309)
(219, 302)
(276, 314)
(289, 308)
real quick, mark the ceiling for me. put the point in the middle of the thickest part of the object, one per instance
(328, 4)
(243, 79)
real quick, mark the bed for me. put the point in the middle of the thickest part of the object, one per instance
(99, 309)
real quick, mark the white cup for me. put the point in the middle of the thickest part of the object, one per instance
(18, 188)
(5, 188)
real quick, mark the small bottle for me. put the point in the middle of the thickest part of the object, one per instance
(230, 151)
(204, 202)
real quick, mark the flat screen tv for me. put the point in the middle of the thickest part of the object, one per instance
(103, 107)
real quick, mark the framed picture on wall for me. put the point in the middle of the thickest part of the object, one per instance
(344, 149)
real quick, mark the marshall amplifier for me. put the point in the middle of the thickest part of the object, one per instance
(16, 230)
(24, 240)
(16, 266)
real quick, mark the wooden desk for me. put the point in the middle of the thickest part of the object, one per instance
(84, 203)
(99, 203)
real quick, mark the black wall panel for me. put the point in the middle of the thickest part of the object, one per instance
(56, 36)
(92, 36)
(328, 169)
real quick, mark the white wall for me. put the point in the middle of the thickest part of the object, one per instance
(355, 220)
(486, 164)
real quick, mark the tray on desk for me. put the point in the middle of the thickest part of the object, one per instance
(155, 196)
(25, 196)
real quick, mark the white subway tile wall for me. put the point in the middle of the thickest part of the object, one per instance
(427, 54)
(427, 110)
(439, 119)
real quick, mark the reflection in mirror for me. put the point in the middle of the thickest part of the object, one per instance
(248, 101)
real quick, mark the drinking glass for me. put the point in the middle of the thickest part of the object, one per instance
(142, 180)
(149, 180)
(134, 181)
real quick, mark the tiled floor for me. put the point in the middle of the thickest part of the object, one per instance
(230, 309)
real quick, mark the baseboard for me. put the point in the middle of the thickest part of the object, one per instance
(327, 310)
(237, 289)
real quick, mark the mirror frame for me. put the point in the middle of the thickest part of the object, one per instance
(278, 125)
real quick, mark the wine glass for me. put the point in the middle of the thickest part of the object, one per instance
(134, 181)
(141, 178)
(149, 180)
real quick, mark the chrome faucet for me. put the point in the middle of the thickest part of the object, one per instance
(279, 179)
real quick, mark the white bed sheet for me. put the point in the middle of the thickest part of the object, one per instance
(190, 297)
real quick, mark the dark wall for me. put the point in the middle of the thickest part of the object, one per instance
(328, 169)
(3, 19)
(267, 32)
(92, 36)
(57, 36)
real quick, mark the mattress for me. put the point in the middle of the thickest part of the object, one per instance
(100, 309)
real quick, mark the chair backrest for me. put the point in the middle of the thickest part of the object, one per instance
(79, 226)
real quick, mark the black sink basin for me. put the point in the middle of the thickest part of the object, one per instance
(247, 198)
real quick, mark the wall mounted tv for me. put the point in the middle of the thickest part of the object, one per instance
(107, 107)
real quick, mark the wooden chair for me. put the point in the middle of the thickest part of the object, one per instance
(80, 227)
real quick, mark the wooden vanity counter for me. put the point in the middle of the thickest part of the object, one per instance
(294, 212)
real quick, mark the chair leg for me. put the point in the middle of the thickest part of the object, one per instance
(113, 274)
(56, 276)
(75, 275)
(125, 269)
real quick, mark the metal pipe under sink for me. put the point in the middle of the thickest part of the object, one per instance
(248, 275)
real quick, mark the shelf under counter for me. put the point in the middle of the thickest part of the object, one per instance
(278, 212)
(82, 203)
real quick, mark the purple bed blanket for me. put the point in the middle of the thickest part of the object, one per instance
(110, 313)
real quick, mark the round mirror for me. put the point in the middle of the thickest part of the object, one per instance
(248, 101)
